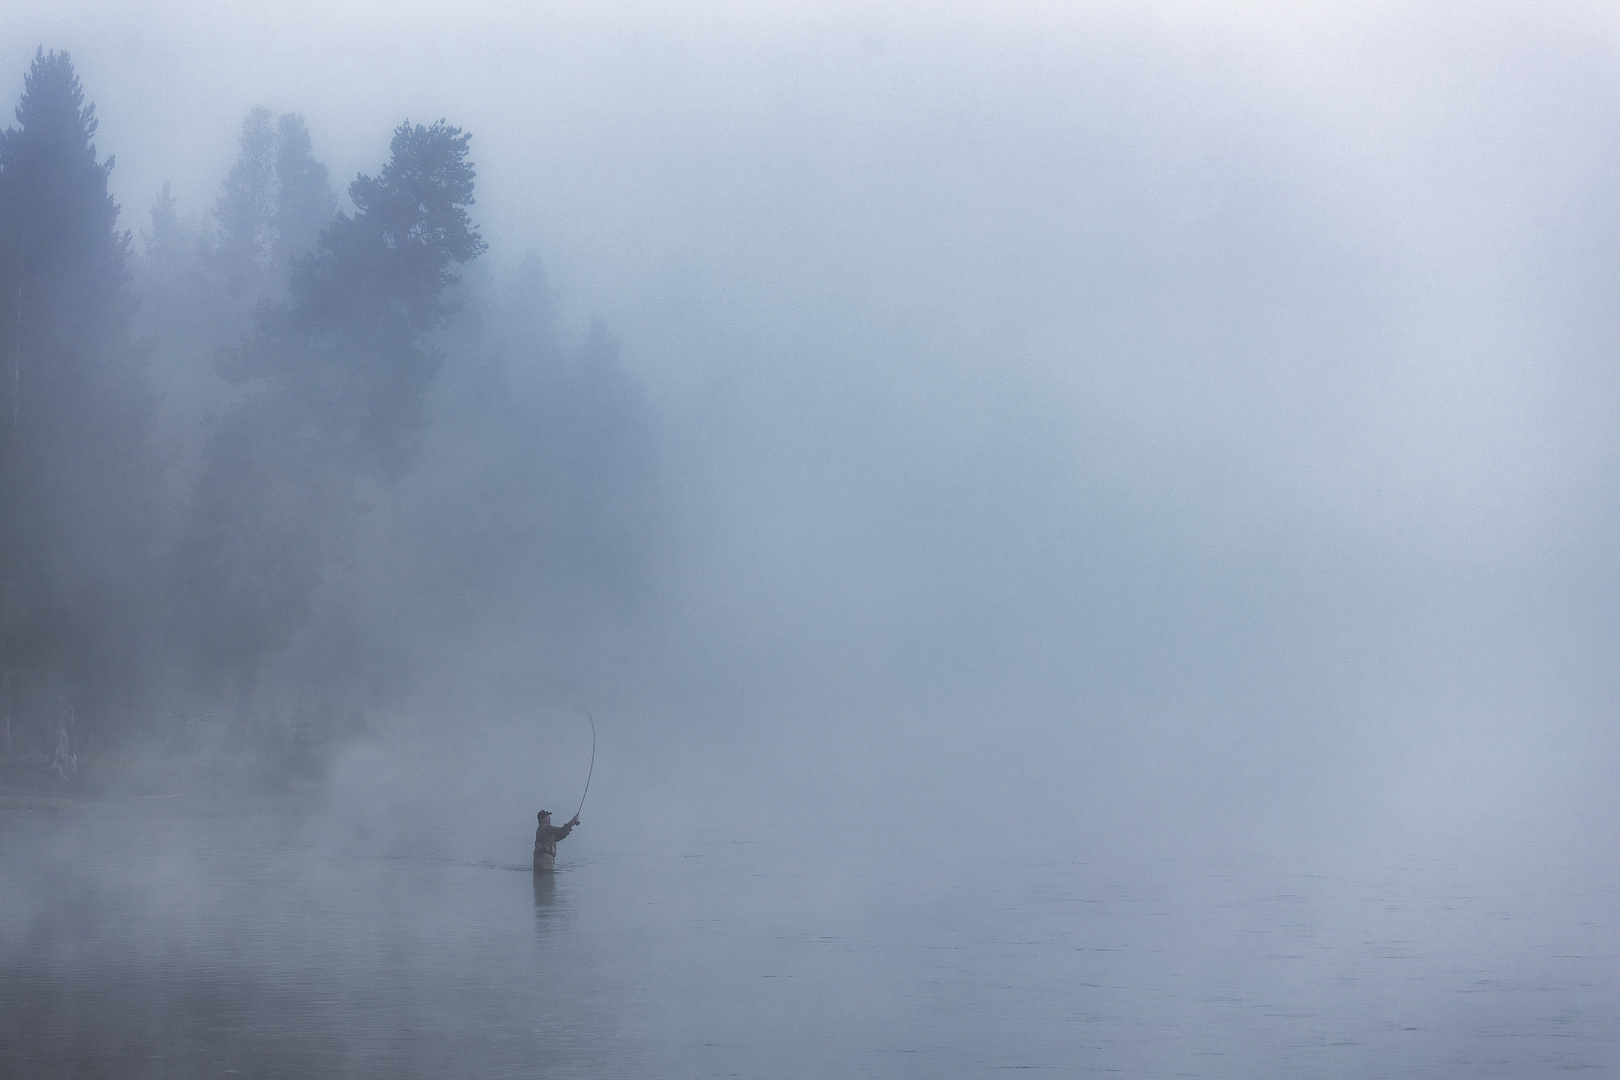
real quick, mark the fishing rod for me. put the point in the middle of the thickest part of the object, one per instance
(592, 769)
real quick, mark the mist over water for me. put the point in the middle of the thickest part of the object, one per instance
(1085, 534)
(304, 946)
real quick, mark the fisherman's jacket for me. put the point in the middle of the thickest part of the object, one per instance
(545, 844)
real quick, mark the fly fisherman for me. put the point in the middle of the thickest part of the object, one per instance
(545, 840)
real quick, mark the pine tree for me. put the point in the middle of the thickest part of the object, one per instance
(336, 376)
(271, 208)
(164, 245)
(305, 202)
(246, 208)
(168, 275)
(77, 474)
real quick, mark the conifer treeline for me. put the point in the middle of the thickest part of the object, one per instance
(283, 467)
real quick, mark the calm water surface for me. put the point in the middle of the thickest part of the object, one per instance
(144, 946)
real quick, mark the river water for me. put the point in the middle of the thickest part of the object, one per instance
(152, 945)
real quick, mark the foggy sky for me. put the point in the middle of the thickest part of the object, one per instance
(1206, 405)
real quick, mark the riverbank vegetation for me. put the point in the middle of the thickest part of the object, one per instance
(268, 467)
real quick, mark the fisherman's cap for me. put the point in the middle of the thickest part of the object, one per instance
(543, 813)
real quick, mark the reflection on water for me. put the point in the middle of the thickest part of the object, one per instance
(264, 948)
(545, 895)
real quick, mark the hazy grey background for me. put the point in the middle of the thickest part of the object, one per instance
(1154, 423)
(1135, 584)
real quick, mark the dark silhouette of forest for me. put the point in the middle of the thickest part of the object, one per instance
(276, 469)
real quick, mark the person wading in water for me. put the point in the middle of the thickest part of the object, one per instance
(545, 840)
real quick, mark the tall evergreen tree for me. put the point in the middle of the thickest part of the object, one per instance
(336, 377)
(170, 278)
(272, 206)
(77, 475)
(245, 209)
(305, 202)
(164, 245)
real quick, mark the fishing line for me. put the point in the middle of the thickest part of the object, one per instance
(592, 769)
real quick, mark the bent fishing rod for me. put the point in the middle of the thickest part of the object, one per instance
(591, 771)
